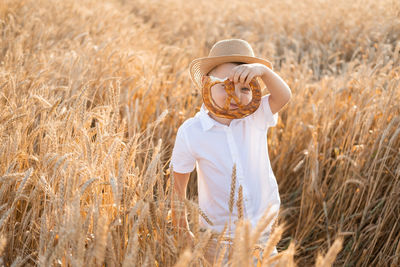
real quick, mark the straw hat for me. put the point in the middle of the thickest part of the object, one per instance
(230, 50)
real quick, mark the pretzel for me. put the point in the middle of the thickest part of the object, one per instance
(226, 112)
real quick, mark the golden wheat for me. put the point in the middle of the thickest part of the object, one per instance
(92, 94)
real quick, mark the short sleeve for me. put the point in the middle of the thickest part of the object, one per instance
(263, 117)
(182, 159)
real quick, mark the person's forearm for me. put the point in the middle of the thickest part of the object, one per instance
(178, 209)
(279, 90)
(179, 215)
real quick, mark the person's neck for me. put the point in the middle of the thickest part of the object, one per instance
(224, 121)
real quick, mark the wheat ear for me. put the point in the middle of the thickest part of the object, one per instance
(272, 241)
(331, 254)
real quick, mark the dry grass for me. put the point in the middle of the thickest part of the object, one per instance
(92, 93)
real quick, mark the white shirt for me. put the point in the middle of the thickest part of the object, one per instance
(214, 148)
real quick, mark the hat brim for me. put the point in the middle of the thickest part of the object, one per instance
(201, 66)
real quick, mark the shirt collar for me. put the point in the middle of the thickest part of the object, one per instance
(206, 121)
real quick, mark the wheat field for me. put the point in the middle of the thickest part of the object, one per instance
(93, 92)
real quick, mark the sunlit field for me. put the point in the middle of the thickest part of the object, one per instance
(92, 94)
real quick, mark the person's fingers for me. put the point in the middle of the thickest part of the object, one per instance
(236, 75)
(240, 70)
(233, 73)
(244, 75)
(249, 78)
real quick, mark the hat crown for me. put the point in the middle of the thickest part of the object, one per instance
(231, 47)
(230, 50)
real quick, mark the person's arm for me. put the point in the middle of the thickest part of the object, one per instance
(280, 91)
(179, 214)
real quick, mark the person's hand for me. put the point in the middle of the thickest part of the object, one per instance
(246, 72)
(186, 236)
(190, 238)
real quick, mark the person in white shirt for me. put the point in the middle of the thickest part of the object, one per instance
(214, 144)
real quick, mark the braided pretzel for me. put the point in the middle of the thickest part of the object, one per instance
(225, 112)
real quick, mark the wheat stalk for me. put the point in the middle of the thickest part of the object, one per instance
(233, 187)
(331, 254)
(240, 203)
